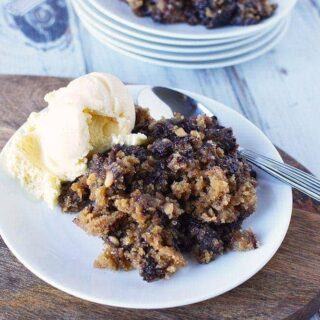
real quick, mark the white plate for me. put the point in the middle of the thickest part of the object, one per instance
(60, 253)
(131, 36)
(182, 57)
(97, 21)
(220, 63)
(121, 12)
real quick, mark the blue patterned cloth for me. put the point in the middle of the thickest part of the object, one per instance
(37, 37)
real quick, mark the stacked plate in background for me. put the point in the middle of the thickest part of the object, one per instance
(180, 45)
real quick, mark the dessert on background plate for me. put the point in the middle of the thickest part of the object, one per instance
(154, 191)
(210, 13)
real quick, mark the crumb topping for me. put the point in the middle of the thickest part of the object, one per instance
(185, 191)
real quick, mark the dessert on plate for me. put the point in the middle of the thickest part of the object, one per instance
(210, 13)
(155, 191)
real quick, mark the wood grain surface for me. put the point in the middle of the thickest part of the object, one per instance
(288, 287)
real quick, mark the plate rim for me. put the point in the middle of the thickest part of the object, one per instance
(192, 65)
(139, 305)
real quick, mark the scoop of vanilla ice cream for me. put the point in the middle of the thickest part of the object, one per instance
(81, 119)
(89, 115)
(24, 160)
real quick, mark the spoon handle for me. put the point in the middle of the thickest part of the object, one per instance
(304, 182)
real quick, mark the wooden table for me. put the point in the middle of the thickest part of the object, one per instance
(279, 92)
(289, 286)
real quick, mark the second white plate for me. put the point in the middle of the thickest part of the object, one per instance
(213, 63)
(98, 21)
(130, 36)
(177, 56)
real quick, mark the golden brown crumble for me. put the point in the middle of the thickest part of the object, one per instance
(186, 191)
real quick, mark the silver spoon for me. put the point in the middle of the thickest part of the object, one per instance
(169, 100)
